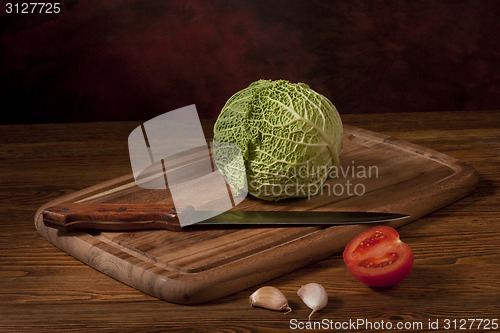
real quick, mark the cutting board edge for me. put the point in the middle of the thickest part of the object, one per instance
(190, 288)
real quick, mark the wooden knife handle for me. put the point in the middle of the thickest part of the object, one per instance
(109, 216)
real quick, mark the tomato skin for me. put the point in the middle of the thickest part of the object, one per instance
(378, 258)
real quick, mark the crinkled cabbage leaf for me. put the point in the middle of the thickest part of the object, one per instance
(290, 137)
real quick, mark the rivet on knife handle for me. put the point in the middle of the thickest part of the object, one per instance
(106, 216)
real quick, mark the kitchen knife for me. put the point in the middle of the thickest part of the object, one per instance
(123, 217)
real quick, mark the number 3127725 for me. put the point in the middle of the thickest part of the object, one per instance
(33, 8)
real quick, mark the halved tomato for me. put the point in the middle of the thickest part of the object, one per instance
(378, 258)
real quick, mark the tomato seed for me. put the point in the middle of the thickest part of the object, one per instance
(386, 260)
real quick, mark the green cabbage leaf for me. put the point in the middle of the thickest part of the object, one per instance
(290, 138)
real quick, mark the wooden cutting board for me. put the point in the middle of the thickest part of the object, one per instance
(199, 264)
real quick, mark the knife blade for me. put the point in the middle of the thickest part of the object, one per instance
(127, 217)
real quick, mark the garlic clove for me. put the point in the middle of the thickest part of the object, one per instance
(314, 296)
(271, 298)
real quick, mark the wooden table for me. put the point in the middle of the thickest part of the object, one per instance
(456, 276)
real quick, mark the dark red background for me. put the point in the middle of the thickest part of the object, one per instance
(135, 59)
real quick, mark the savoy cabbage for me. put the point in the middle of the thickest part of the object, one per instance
(289, 135)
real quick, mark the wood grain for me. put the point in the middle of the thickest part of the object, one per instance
(42, 289)
(202, 264)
